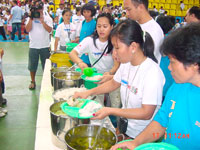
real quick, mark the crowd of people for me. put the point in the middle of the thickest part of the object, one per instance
(132, 48)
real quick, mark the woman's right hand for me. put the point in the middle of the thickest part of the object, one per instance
(82, 65)
(125, 145)
(82, 95)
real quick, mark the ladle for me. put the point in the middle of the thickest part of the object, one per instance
(97, 135)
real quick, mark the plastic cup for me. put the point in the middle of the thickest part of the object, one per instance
(88, 71)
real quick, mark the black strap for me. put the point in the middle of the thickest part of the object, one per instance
(100, 56)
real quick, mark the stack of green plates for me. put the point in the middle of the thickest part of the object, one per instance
(89, 84)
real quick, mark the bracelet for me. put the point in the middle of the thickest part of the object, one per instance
(110, 73)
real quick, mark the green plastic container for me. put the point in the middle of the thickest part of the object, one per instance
(153, 146)
(70, 46)
(79, 70)
(89, 84)
(54, 32)
(156, 146)
(74, 111)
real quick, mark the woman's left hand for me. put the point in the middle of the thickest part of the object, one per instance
(101, 114)
(105, 78)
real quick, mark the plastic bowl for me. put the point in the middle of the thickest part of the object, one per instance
(70, 46)
(89, 84)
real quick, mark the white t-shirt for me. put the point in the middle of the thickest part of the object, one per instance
(1, 22)
(87, 46)
(46, 6)
(154, 29)
(64, 31)
(27, 9)
(161, 11)
(7, 17)
(144, 84)
(155, 10)
(23, 8)
(59, 13)
(123, 18)
(182, 6)
(39, 36)
(77, 20)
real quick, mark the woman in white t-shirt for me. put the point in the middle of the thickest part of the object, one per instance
(139, 77)
(97, 45)
(77, 19)
(66, 32)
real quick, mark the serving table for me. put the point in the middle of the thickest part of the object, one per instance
(43, 138)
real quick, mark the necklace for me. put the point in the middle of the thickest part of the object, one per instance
(129, 86)
(67, 28)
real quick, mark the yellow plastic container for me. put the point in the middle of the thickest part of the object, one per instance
(60, 59)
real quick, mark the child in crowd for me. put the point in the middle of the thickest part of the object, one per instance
(2, 31)
(3, 111)
(9, 25)
(51, 13)
(55, 23)
(116, 19)
(78, 18)
(66, 32)
(123, 17)
(88, 26)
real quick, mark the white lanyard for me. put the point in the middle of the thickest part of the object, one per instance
(128, 93)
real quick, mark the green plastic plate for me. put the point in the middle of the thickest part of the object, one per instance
(94, 74)
(153, 146)
(156, 146)
(74, 111)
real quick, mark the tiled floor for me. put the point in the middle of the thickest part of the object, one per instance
(17, 129)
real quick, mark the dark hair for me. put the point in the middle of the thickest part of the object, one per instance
(196, 11)
(165, 23)
(90, 7)
(128, 31)
(184, 44)
(95, 34)
(144, 2)
(66, 10)
(78, 9)
(14, 1)
(8, 10)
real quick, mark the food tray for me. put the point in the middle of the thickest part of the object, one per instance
(74, 111)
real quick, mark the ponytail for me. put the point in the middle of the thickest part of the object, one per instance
(148, 46)
(129, 31)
